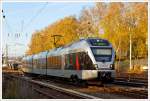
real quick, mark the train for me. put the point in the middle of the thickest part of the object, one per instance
(85, 59)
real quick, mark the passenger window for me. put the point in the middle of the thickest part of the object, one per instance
(78, 61)
(68, 61)
(86, 62)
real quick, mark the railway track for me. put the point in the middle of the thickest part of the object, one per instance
(134, 92)
(135, 82)
(55, 89)
(64, 91)
(141, 94)
(126, 89)
(52, 91)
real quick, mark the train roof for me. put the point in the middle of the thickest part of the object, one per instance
(77, 46)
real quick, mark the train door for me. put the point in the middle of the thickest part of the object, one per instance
(62, 62)
(63, 65)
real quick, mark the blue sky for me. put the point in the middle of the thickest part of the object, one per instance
(23, 18)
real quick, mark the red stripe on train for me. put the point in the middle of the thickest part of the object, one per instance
(77, 62)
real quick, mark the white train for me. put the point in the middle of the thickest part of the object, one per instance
(86, 59)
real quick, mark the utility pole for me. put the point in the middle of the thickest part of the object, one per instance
(22, 24)
(6, 58)
(3, 14)
(6, 51)
(55, 41)
(130, 52)
(132, 25)
(130, 47)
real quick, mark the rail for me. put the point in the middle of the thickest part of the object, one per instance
(136, 82)
(60, 91)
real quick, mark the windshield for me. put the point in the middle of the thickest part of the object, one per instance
(97, 51)
(102, 54)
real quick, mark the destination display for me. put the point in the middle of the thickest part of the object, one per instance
(99, 42)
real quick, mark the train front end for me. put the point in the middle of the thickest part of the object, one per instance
(104, 58)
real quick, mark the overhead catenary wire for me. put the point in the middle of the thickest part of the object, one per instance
(35, 16)
(8, 26)
(26, 26)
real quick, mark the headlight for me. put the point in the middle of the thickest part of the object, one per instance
(112, 67)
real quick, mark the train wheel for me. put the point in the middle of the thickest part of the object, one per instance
(72, 78)
(75, 79)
